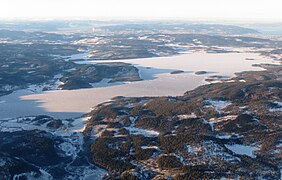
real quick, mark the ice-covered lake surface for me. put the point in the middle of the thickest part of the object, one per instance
(242, 149)
(158, 81)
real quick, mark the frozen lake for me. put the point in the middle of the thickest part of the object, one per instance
(157, 82)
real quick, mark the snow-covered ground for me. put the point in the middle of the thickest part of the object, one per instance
(278, 108)
(83, 56)
(219, 105)
(79, 124)
(150, 147)
(229, 136)
(31, 175)
(213, 121)
(187, 116)
(28, 123)
(144, 132)
(207, 151)
(70, 147)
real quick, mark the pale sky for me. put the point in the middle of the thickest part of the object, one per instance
(258, 10)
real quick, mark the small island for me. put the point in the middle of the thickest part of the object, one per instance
(177, 72)
(249, 59)
(201, 72)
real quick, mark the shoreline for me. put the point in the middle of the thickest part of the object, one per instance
(157, 77)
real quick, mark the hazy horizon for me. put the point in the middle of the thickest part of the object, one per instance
(200, 10)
